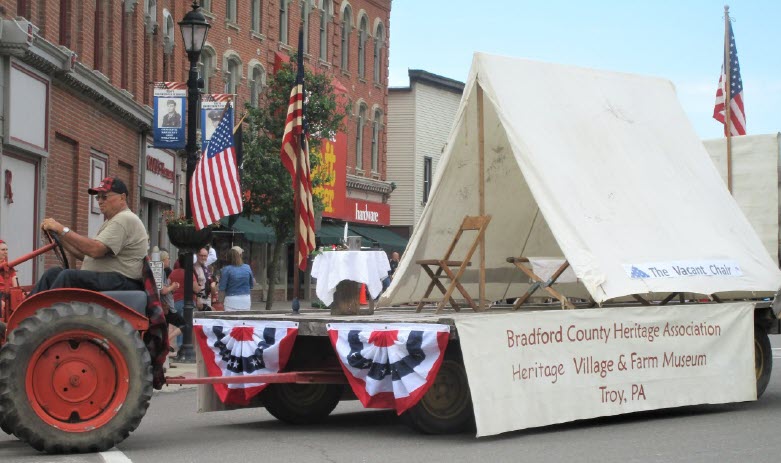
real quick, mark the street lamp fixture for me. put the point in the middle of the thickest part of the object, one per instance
(194, 29)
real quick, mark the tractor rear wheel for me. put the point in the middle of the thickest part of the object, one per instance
(301, 403)
(74, 378)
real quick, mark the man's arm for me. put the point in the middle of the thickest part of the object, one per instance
(76, 244)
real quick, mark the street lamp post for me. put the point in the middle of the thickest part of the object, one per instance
(194, 29)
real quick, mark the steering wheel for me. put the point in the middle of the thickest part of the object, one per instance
(59, 251)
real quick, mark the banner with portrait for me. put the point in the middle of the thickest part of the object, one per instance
(170, 106)
(212, 106)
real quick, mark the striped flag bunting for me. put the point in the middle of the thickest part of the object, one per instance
(389, 365)
(240, 348)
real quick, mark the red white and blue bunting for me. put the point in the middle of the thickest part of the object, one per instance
(241, 348)
(389, 365)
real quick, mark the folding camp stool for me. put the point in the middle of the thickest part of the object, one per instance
(444, 266)
(538, 282)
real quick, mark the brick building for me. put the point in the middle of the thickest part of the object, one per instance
(77, 95)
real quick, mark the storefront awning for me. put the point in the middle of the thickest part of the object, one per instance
(382, 237)
(330, 234)
(252, 229)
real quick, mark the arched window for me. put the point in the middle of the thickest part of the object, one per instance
(283, 21)
(376, 122)
(325, 15)
(346, 29)
(230, 10)
(255, 15)
(232, 73)
(305, 9)
(206, 67)
(169, 32)
(359, 137)
(379, 41)
(363, 34)
(256, 84)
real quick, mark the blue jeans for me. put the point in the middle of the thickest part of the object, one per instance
(57, 277)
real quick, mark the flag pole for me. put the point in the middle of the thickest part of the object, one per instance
(297, 182)
(727, 96)
(238, 124)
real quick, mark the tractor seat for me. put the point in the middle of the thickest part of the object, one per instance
(136, 300)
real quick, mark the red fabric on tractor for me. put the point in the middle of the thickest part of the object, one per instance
(156, 337)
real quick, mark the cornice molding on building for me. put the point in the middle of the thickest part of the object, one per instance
(418, 75)
(368, 184)
(56, 61)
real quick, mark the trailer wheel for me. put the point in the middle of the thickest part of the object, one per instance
(74, 378)
(301, 403)
(446, 408)
(763, 359)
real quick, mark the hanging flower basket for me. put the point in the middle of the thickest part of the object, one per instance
(186, 237)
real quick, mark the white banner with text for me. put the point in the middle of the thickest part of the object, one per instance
(540, 368)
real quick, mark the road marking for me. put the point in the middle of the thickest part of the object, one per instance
(115, 456)
(776, 352)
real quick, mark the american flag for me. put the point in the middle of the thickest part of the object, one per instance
(295, 158)
(215, 190)
(737, 116)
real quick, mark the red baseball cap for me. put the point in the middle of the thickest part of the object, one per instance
(109, 184)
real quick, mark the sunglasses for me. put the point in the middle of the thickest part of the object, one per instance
(104, 196)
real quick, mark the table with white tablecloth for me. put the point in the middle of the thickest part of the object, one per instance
(331, 268)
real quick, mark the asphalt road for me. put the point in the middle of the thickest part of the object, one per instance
(173, 432)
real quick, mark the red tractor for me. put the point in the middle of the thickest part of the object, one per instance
(75, 374)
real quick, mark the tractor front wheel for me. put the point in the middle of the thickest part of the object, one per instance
(74, 378)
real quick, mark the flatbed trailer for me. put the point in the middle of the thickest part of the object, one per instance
(313, 382)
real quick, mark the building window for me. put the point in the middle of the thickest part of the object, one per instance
(305, 7)
(376, 140)
(426, 178)
(363, 35)
(123, 44)
(232, 76)
(103, 35)
(283, 21)
(206, 67)
(324, 29)
(169, 32)
(379, 40)
(22, 8)
(256, 15)
(346, 19)
(65, 23)
(359, 138)
(206, 5)
(230, 10)
(257, 78)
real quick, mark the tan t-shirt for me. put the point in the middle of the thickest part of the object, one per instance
(125, 236)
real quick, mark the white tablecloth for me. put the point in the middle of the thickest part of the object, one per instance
(368, 267)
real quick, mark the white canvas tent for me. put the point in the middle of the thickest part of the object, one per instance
(755, 186)
(600, 168)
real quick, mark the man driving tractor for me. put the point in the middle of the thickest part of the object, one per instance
(112, 261)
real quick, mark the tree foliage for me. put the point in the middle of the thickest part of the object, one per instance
(265, 178)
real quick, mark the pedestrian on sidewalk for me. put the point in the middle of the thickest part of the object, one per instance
(236, 281)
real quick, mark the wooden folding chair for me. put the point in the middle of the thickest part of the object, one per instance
(444, 266)
(539, 282)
